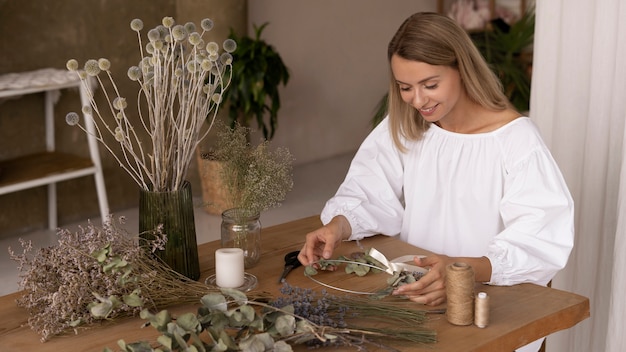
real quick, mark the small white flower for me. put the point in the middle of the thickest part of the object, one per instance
(206, 24)
(92, 68)
(104, 64)
(72, 118)
(72, 65)
(136, 25)
(212, 47)
(230, 45)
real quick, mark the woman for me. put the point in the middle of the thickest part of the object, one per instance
(453, 169)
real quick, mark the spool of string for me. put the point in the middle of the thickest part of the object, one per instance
(460, 294)
(481, 310)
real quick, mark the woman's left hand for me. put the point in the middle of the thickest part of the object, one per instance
(430, 289)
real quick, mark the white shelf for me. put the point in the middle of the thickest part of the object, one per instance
(49, 166)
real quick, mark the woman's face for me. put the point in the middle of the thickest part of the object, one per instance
(433, 90)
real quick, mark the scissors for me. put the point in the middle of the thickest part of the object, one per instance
(291, 262)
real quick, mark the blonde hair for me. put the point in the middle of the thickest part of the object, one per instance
(438, 40)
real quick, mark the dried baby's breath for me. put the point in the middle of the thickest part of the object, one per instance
(257, 178)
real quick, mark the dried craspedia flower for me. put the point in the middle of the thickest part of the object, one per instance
(190, 27)
(230, 45)
(72, 65)
(154, 35)
(226, 58)
(206, 65)
(217, 98)
(136, 25)
(194, 38)
(179, 33)
(119, 103)
(92, 68)
(212, 47)
(192, 66)
(134, 73)
(150, 48)
(87, 110)
(72, 118)
(104, 64)
(168, 22)
(206, 24)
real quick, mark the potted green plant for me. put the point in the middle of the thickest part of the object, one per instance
(258, 71)
(506, 49)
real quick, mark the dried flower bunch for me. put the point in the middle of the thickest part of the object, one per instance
(257, 178)
(97, 273)
(229, 321)
(181, 82)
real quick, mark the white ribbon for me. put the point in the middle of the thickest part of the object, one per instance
(397, 264)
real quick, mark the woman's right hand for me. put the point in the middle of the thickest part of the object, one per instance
(321, 243)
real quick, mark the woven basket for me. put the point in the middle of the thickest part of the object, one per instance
(214, 193)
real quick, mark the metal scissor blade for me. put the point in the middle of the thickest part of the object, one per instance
(286, 271)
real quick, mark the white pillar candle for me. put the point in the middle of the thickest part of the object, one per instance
(229, 272)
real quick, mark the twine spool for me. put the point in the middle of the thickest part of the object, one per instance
(460, 294)
(481, 310)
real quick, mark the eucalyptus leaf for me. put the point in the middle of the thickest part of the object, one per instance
(227, 340)
(219, 346)
(235, 294)
(102, 254)
(139, 347)
(310, 271)
(248, 313)
(219, 320)
(252, 344)
(188, 322)
(285, 325)
(215, 301)
(174, 329)
(133, 300)
(282, 346)
(179, 339)
(165, 341)
(102, 309)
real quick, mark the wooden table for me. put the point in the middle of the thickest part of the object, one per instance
(519, 314)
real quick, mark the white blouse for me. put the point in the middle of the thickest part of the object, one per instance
(498, 194)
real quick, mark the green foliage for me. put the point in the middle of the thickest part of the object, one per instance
(258, 70)
(504, 49)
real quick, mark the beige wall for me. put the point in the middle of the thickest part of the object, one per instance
(335, 50)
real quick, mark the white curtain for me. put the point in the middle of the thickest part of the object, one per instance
(579, 103)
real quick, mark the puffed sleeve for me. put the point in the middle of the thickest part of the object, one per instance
(538, 215)
(370, 197)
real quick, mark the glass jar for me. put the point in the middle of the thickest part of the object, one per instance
(240, 229)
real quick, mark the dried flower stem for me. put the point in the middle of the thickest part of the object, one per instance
(181, 82)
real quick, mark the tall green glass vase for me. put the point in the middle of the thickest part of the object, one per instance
(174, 210)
